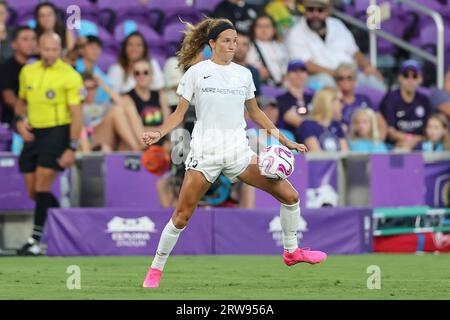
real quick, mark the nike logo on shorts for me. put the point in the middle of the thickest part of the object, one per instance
(206, 77)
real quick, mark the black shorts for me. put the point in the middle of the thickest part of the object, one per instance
(45, 150)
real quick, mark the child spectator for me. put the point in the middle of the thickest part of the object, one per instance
(364, 135)
(437, 136)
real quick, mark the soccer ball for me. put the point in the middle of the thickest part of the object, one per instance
(276, 162)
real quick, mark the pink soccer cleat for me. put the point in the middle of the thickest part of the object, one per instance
(152, 278)
(303, 255)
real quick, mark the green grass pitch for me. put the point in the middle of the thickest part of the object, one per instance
(228, 277)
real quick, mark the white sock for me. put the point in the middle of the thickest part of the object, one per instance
(168, 239)
(290, 220)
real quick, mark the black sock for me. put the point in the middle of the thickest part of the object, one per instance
(44, 200)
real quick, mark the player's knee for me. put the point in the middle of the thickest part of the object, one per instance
(180, 219)
(291, 197)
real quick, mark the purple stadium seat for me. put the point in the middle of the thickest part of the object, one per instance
(120, 6)
(206, 5)
(5, 137)
(272, 91)
(167, 6)
(160, 55)
(395, 26)
(134, 10)
(174, 32)
(374, 95)
(87, 8)
(125, 28)
(20, 5)
(428, 35)
(106, 60)
(424, 90)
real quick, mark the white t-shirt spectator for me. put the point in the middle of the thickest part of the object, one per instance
(172, 77)
(339, 45)
(275, 55)
(118, 83)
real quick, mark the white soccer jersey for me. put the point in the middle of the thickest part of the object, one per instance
(219, 93)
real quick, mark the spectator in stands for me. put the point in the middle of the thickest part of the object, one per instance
(240, 13)
(346, 82)
(24, 45)
(90, 51)
(364, 134)
(6, 50)
(267, 53)
(406, 110)
(172, 77)
(133, 48)
(296, 102)
(440, 98)
(240, 57)
(48, 117)
(320, 132)
(74, 54)
(104, 121)
(149, 107)
(324, 42)
(285, 13)
(47, 20)
(437, 135)
(259, 139)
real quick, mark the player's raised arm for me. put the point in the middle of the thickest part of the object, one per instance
(264, 122)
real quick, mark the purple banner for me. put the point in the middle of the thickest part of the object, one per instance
(79, 232)
(129, 184)
(437, 182)
(93, 232)
(335, 231)
(397, 180)
(13, 193)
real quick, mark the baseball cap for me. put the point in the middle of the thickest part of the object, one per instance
(317, 3)
(296, 65)
(264, 101)
(412, 65)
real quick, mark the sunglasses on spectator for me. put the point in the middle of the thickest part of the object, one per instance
(312, 9)
(410, 74)
(341, 78)
(137, 73)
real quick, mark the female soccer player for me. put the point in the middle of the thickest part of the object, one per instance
(220, 89)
